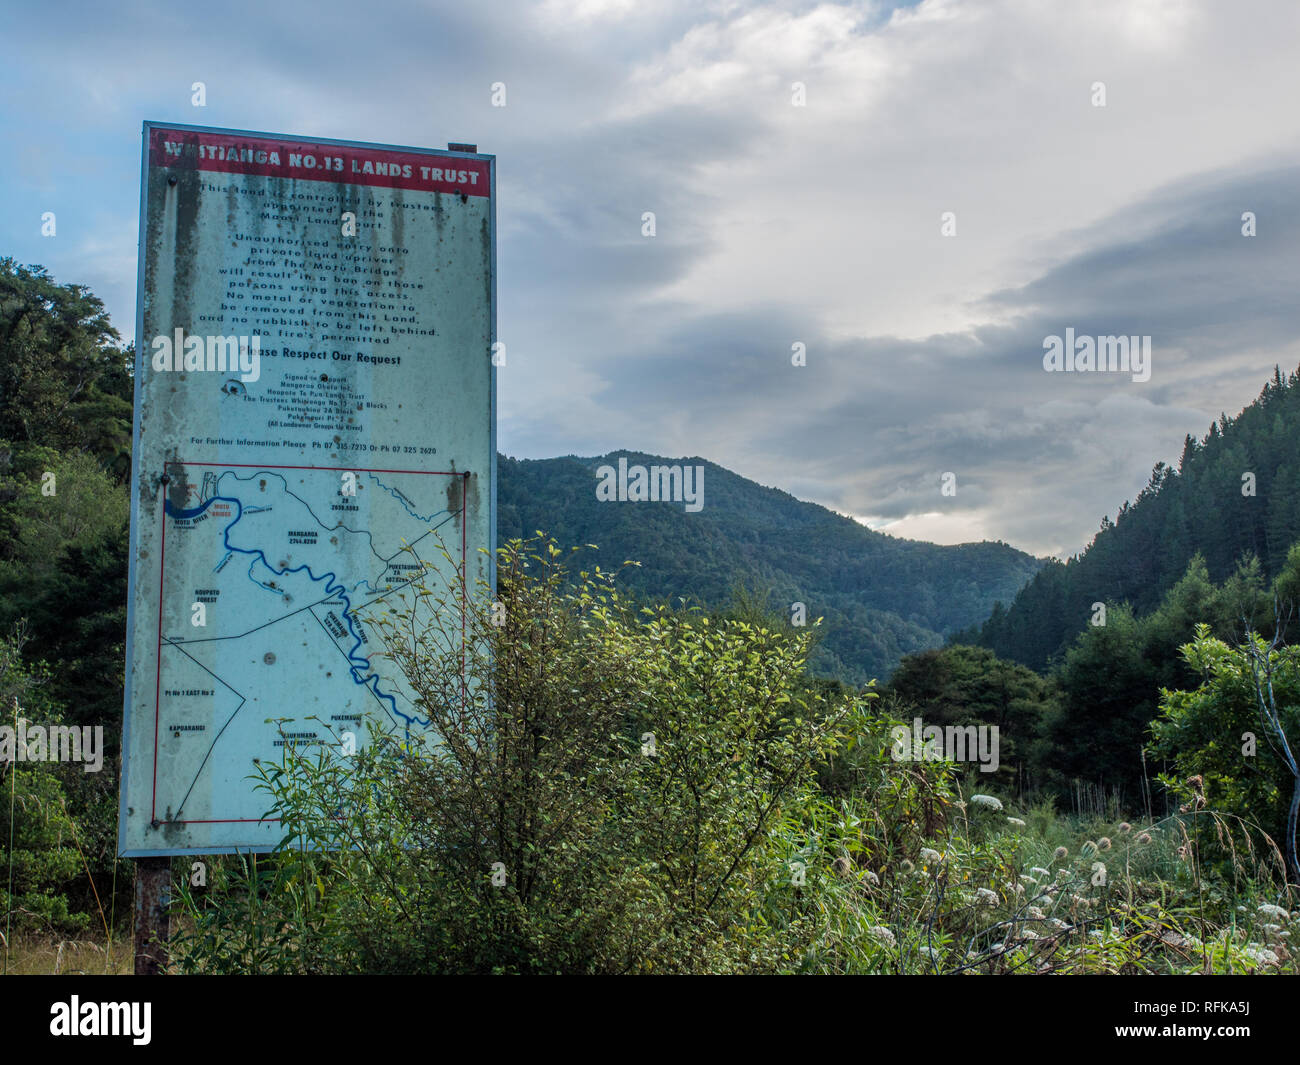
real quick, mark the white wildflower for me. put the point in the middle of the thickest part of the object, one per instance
(1260, 955)
(986, 896)
(987, 801)
(882, 935)
(1015, 821)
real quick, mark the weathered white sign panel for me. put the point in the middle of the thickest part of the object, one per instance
(314, 422)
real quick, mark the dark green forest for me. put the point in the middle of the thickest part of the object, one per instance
(1235, 494)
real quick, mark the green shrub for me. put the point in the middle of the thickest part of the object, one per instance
(612, 796)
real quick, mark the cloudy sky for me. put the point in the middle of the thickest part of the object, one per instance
(775, 224)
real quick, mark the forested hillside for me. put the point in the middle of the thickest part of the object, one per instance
(1236, 491)
(882, 597)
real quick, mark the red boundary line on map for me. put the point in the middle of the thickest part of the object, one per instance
(162, 570)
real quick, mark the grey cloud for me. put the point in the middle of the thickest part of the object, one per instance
(868, 423)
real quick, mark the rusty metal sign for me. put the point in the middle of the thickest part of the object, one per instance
(314, 428)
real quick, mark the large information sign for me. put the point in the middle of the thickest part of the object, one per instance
(314, 433)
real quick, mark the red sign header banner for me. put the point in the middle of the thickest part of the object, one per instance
(314, 161)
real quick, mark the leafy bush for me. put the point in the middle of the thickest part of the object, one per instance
(40, 857)
(612, 797)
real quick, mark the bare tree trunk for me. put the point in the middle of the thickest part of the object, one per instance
(1292, 817)
(1262, 667)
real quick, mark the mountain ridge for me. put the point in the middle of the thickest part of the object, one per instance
(882, 596)
(1234, 495)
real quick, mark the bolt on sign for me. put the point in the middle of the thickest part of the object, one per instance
(315, 439)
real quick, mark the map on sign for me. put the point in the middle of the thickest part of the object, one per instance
(292, 562)
(315, 447)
